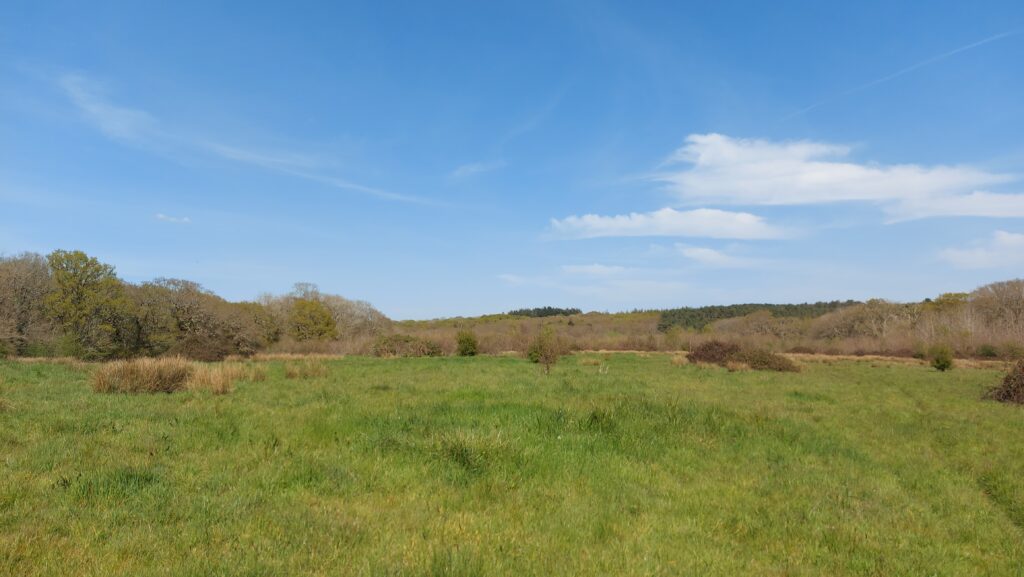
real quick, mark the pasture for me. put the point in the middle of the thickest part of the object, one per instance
(615, 464)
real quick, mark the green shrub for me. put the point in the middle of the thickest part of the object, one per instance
(405, 346)
(466, 344)
(546, 349)
(987, 351)
(1013, 351)
(941, 357)
(312, 320)
(1012, 388)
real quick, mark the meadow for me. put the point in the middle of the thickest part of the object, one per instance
(614, 464)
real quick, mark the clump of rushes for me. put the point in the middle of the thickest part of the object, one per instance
(170, 374)
(305, 370)
(146, 375)
(220, 378)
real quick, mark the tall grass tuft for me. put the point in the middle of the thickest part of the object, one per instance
(220, 379)
(164, 375)
(305, 370)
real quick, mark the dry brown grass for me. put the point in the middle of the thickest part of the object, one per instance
(286, 357)
(679, 360)
(145, 375)
(67, 361)
(5, 405)
(735, 366)
(220, 378)
(880, 360)
(170, 374)
(305, 369)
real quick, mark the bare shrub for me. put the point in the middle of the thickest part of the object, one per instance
(307, 369)
(735, 357)
(164, 375)
(24, 283)
(765, 360)
(714, 352)
(1012, 388)
(405, 346)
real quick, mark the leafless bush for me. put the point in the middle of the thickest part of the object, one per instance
(405, 346)
(714, 352)
(1012, 388)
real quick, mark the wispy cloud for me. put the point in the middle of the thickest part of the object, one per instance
(1002, 250)
(714, 168)
(715, 258)
(142, 129)
(269, 160)
(593, 270)
(117, 122)
(903, 71)
(173, 219)
(701, 222)
(475, 168)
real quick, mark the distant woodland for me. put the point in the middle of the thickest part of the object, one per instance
(68, 303)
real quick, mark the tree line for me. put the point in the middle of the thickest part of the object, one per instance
(697, 318)
(68, 303)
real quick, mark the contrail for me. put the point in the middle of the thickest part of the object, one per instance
(903, 71)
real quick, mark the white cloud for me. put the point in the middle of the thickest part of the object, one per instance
(714, 258)
(701, 222)
(474, 168)
(598, 270)
(174, 219)
(1002, 250)
(714, 168)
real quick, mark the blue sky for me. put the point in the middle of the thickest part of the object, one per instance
(459, 158)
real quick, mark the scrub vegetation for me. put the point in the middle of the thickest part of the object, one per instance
(70, 304)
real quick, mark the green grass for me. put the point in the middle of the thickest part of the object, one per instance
(484, 466)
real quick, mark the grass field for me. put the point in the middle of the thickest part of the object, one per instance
(484, 466)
